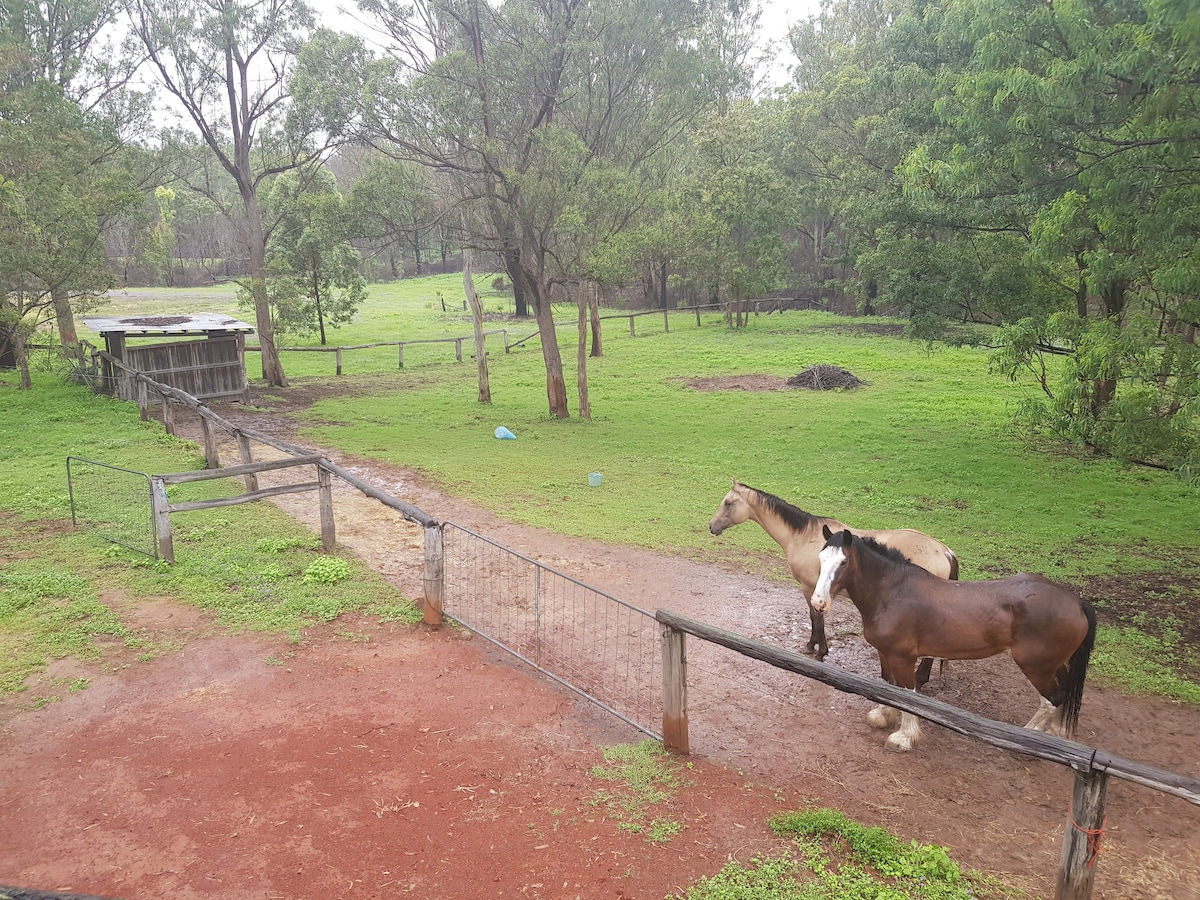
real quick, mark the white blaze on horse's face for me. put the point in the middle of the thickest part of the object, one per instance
(833, 558)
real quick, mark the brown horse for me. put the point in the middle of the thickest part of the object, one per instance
(1048, 629)
(799, 534)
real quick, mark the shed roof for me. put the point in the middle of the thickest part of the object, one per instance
(191, 324)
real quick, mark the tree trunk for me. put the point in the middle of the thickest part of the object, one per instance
(320, 312)
(594, 305)
(1104, 389)
(512, 265)
(585, 406)
(481, 366)
(872, 294)
(21, 352)
(556, 388)
(66, 321)
(272, 368)
(416, 245)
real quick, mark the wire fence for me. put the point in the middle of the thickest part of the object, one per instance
(112, 502)
(604, 648)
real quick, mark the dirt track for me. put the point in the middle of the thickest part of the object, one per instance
(424, 762)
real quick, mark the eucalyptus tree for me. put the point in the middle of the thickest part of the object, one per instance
(395, 205)
(229, 64)
(864, 91)
(312, 267)
(62, 89)
(517, 102)
(740, 203)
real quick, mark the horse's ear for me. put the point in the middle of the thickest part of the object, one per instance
(847, 537)
(825, 531)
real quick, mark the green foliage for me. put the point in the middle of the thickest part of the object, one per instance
(1141, 664)
(1119, 389)
(765, 878)
(327, 570)
(644, 776)
(1044, 139)
(873, 847)
(313, 280)
(47, 613)
(58, 183)
(735, 202)
(278, 545)
(840, 859)
(254, 567)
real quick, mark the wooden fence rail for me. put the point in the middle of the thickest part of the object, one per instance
(1092, 766)
(249, 469)
(509, 345)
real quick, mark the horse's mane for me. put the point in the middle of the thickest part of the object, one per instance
(884, 550)
(796, 518)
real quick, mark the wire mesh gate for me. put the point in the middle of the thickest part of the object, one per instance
(601, 647)
(113, 502)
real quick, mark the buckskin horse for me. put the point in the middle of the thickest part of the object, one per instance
(799, 534)
(1047, 628)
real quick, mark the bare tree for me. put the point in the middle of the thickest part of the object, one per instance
(518, 103)
(229, 64)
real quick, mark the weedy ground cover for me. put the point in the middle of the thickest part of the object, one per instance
(836, 858)
(251, 566)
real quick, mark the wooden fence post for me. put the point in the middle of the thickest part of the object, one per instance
(505, 340)
(697, 315)
(247, 456)
(325, 504)
(212, 456)
(401, 354)
(338, 356)
(435, 574)
(631, 334)
(666, 321)
(162, 519)
(1081, 842)
(143, 401)
(458, 349)
(674, 675)
(168, 415)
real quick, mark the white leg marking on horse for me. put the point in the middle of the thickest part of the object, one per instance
(1046, 718)
(883, 716)
(907, 736)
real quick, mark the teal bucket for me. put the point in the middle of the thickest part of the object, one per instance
(595, 479)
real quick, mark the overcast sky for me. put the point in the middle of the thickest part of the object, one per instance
(777, 16)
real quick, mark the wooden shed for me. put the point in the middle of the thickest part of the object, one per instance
(210, 369)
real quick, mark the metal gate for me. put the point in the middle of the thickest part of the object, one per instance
(601, 647)
(113, 502)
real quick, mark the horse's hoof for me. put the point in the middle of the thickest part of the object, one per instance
(899, 742)
(882, 717)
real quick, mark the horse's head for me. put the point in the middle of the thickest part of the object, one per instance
(734, 510)
(835, 560)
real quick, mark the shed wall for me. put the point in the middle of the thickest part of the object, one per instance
(207, 369)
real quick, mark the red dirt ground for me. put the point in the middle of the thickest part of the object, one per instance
(379, 761)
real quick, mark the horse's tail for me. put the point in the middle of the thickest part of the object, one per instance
(1076, 673)
(953, 564)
